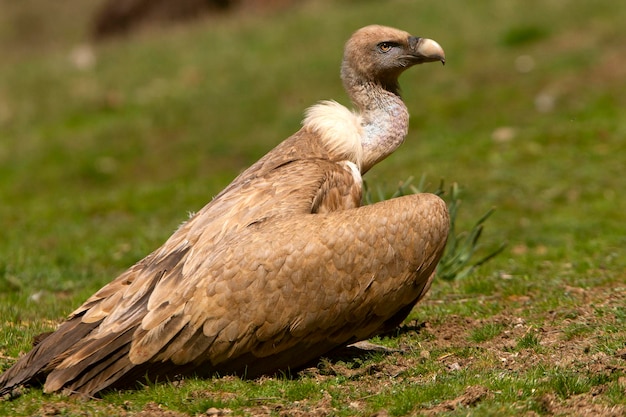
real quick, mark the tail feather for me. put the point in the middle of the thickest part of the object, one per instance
(90, 358)
(93, 379)
(31, 368)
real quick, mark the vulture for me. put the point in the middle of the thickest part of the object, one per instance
(281, 267)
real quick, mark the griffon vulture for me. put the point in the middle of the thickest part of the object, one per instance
(281, 267)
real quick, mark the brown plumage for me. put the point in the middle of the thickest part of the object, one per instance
(281, 267)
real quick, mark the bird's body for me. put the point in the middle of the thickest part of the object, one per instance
(279, 268)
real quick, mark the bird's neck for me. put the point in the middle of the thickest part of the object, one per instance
(385, 119)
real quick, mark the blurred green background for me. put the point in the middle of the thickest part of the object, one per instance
(106, 146)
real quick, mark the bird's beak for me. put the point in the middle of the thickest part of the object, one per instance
(427, 50)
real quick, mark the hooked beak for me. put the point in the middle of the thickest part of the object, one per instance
(426, 50)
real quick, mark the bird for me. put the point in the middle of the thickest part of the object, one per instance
(281, 267)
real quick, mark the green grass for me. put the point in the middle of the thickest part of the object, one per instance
(486, 332)
(99, 166)
(529, 341)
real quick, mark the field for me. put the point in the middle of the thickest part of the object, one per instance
(105, 148)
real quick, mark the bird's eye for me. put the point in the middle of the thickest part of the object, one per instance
(385, 47)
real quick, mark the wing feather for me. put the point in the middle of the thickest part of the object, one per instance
(201, 269)
(350, 301)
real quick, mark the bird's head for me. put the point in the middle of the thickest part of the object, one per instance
(380, 54)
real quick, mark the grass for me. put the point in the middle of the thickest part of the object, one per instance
(529, 341)
(98, 166)
(486, 332)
